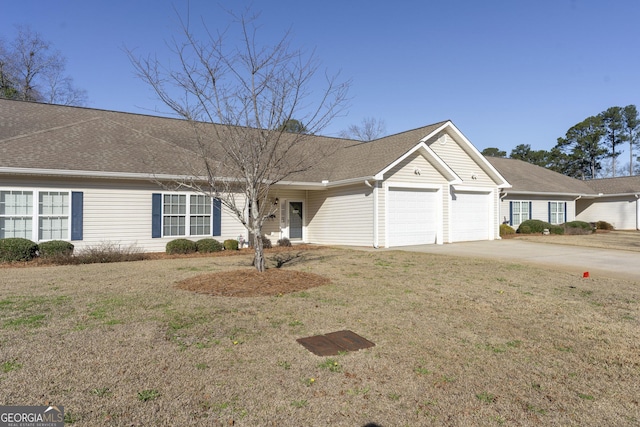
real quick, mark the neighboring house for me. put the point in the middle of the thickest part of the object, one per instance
(539, 193)
(91, 176)
(615, 201)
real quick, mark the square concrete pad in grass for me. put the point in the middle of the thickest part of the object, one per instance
(333, 343)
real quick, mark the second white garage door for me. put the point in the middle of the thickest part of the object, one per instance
(413, 216)
(470, 212)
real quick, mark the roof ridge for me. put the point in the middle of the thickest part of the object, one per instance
(38, 132)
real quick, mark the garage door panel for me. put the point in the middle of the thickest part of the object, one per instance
(412, 216)
(470, 212)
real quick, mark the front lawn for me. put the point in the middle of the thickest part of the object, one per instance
(457, 342)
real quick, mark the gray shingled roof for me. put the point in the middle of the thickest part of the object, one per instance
(620, 185)
(528, 178)
(44, 136)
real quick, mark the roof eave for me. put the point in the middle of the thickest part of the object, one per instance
(550, 193)
(98, 174)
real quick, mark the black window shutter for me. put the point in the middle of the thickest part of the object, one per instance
(156, 215)
(217, 218)
(76, 215)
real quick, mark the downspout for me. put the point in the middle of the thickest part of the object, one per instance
(637, 211)
(375, 212)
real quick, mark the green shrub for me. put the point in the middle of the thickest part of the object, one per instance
(231, 245)
(284, 242)
(208, 245)
(506, 229)
(578, 224)
(604, 225)
(266, 242)
(556, 229)
(181, 246)
(17, 249)
(524, 229)
(534, 226)
(55, 249)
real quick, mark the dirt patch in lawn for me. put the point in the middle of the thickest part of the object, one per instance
(251, 283)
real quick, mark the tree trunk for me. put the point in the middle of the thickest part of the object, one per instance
(258, 258)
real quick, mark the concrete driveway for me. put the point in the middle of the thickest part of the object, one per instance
(596, 261)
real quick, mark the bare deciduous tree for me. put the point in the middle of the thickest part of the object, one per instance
(368, 130)
(31, 71)
(236, 99)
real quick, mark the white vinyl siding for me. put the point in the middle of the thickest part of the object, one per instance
(119, 213)
(341, 216)
(460, 161)
(621, 212)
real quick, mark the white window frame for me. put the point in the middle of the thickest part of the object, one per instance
(558, 216)
(520, 204)
(189, 218)
(36, 214)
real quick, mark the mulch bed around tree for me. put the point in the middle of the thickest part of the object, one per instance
(250, 283)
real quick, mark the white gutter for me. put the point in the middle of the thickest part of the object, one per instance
(96, 174)
(503, 195)
(537, 193)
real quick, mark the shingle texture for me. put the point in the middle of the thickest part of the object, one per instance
(43, 136)
(620, 185)
(526, 177)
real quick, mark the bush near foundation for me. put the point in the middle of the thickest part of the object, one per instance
(181, 246)
(231, 245)
(266, 242)
(284, 242)
(17, 249)
(208, 245)
(604, 225)
(55, 249)
(577, 227)
(506, 230)
(536, 226)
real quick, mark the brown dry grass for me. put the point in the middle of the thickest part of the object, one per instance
(458, 342)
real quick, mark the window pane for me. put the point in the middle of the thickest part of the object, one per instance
(200, 225)
(174, 226)
(16, 203)
(53, 215)
(53, 228)
(15, 227)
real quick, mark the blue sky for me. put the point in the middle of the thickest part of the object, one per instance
(506, 72)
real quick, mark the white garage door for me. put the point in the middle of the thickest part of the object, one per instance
(470, 212)
(413, 216)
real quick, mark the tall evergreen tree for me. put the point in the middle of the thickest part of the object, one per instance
(582, 148)
(631, 126)
(612, 119)
(535, 157)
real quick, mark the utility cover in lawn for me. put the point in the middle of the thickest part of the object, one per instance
(335, 342)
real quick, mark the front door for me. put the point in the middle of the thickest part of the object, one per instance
(295, 220)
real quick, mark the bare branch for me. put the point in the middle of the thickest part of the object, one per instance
(237, 99)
